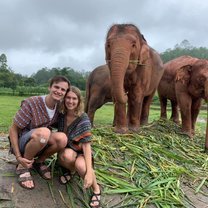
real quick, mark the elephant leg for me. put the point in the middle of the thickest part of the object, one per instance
(163, 107)
(120, 118)
(185, 102)
(195, 108)
(134, 112)
(145, 109)
(174, 115)
(93, 105)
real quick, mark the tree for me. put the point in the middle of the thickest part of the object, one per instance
(3, 63)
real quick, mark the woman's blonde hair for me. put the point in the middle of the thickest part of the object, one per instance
(80, 106)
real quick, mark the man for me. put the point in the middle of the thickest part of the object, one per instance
(32, 141)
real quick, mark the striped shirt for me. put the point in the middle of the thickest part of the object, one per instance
(79, 131)
(33, 114)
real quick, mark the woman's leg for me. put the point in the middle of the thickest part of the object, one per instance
(80, 167)
(67, 158)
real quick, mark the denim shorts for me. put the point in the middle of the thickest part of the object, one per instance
(24, 139)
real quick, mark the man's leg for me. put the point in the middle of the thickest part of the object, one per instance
(56, 142)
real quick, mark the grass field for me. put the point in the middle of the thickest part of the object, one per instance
(8, 107)
(151, 167)
(104, 116)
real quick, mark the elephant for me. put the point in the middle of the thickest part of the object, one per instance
(135, 72)
(98, 90)
(191, 87)
(166, 88)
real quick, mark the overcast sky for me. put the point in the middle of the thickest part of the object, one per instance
(71, 33)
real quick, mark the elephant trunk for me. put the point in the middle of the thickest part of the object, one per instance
(206, 137)
(206, 90)
(119, 64)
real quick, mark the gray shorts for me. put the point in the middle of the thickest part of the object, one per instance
(24, 139)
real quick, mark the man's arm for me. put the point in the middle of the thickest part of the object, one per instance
(13, 134)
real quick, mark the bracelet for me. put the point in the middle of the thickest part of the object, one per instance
(18, 156)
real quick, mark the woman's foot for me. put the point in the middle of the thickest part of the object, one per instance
(65, 178)
(95, 200)
(25, 179)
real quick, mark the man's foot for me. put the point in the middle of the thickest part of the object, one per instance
(25, 179)
(43, 170)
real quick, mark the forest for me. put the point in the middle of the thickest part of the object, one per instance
(12, 83)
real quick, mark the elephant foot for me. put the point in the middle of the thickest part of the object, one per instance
(175, 121)
(205, 150)
(144, 122)
(134, 129)
(121, 130)
(190, 135)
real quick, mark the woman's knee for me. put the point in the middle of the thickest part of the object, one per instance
(66, 156)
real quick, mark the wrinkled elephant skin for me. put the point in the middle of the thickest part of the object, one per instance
(191, 86)
(135, 71)
(166, 88)
(98, 90)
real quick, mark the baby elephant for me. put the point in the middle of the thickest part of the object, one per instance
(166, 88)
(98, 90)
(185, 83)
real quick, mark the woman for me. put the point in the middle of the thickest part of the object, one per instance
(77, 156)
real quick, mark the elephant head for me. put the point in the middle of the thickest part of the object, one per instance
(125, 49)
(195, 78)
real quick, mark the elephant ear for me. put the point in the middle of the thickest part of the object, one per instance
(144, 54)
(183, 74)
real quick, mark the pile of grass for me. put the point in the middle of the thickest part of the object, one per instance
(150, 167)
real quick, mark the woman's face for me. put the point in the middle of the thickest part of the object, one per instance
(71, 101)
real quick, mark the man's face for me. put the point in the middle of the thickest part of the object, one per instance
(58, 90)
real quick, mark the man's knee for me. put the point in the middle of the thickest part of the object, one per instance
(60, 139)
(41, 135)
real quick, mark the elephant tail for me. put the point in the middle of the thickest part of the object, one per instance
(87, 94)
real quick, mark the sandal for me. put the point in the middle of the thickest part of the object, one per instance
(42, 169)
(65, 175)
(97, 199)
(65, 178)
(22, 179)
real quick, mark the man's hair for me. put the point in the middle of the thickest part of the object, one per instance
(59, 78)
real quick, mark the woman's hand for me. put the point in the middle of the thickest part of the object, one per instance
(88, 180)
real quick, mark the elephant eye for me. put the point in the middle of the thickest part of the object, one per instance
(201, 79)
(134, 44)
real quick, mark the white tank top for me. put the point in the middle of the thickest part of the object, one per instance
(49, 111)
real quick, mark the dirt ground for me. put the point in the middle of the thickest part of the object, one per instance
(14, 196)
